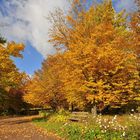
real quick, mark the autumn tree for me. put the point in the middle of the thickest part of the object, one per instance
(96, 63)
(135, 28)
(135, 34)
(99, 47)
(9, 75)
(44, 89)
(11, 79)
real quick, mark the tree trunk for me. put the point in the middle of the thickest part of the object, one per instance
(71, 107)
(94, 110)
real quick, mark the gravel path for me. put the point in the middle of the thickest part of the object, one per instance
(21, 128)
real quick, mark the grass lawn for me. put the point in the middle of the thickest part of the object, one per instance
(124, 127)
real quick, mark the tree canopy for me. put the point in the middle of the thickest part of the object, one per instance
(96, 61)
(11, 80)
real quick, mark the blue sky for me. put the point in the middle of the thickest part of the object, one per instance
(25, 22)
(31, 61)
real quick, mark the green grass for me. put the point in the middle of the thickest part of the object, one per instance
(99, 128)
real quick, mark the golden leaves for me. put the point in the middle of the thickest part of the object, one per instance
(14, 49)
(99, 63)
(9, 75)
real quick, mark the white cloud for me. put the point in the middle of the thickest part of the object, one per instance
(25, 20)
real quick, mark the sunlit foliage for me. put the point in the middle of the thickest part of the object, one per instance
(96, 63)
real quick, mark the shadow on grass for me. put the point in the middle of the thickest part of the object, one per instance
(43, 119)
(40, 120)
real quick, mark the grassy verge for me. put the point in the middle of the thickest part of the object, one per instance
(100, 128)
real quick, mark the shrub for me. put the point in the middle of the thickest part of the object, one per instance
(43, 113)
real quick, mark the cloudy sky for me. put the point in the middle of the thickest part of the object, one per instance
(25, 21)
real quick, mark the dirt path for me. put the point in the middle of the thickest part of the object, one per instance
(21, 128)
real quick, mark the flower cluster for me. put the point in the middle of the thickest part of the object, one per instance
(116, 123)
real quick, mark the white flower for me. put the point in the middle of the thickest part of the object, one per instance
(132, 109)
(131, 114)
(123, 134)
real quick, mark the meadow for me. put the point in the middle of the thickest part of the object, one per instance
(100, 127)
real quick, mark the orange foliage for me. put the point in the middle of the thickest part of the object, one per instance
(98, 64)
